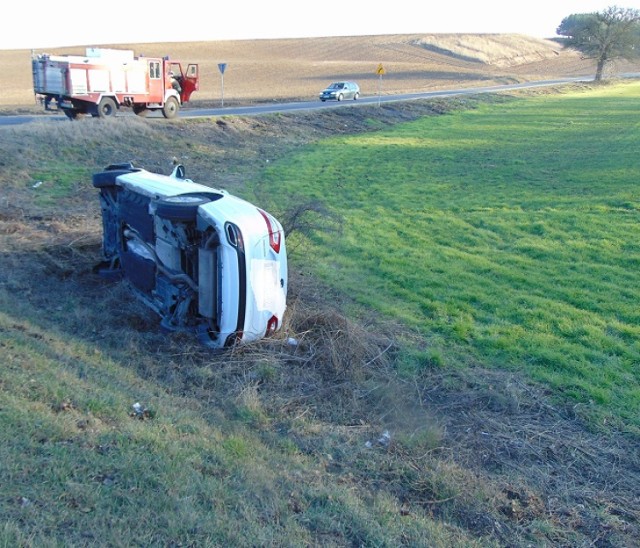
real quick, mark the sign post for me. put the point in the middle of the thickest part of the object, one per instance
(222, 67)
(379, 72)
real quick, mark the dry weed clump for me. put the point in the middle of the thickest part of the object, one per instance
(338, 348)
(317, 365)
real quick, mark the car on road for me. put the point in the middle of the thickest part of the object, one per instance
(205, 261)
(339, 91)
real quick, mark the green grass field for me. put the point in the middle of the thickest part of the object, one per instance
(507, 235)
(495, 246)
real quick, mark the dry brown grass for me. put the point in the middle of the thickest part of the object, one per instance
(483, 449)
(296, 69)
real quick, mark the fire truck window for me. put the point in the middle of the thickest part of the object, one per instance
(154, 70)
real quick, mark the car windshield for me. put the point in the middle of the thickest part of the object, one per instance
(336, 86)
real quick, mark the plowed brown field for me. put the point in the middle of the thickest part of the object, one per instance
(297, 69)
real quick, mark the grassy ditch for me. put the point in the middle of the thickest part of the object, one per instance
(82, 466)
(406, 414)
(506, 236)
(113, 435)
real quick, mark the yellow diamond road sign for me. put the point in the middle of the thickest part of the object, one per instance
(380, 70)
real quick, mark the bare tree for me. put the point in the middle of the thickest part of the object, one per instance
(604, 36)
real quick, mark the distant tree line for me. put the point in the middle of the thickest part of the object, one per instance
(605, 36)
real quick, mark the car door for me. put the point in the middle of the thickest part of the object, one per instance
(350, 91)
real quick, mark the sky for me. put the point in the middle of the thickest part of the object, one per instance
(40, 24)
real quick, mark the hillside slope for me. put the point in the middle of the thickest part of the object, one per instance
(296, 69)
(274, 441)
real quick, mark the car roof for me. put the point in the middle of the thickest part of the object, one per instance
(342, 83)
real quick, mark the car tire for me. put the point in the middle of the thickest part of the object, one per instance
(123, 165)
(355, 97)
(183, 207)
(107, 178)
(340, 97)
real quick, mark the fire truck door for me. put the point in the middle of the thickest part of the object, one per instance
(190, 82)
(156, 81)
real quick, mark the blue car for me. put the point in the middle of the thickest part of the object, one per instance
(339, 91)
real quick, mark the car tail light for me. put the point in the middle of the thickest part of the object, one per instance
(272, 326)
(275, 236)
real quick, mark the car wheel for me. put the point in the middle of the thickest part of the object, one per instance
(107, 178)
(355, 97)
(340, 97)
(183, 207)
(124, 165)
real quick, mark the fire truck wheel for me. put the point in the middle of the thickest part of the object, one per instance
(171, 108)
(107, 107)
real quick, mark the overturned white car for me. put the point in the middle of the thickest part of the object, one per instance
(204, 260)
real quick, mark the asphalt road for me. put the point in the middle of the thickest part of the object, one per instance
(368, 100)
(312, 105)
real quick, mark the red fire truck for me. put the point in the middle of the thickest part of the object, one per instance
(105, 80)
